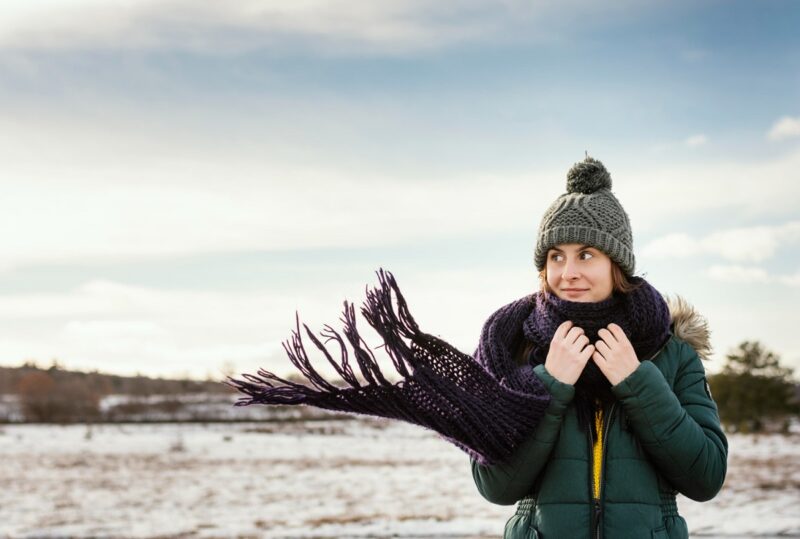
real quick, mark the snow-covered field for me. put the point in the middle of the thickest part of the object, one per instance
(357, 478)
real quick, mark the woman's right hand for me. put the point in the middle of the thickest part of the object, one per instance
(569, 352)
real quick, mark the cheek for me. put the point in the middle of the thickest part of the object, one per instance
(603, 278)
(552, 277)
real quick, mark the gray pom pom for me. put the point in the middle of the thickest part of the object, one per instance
(587, 177)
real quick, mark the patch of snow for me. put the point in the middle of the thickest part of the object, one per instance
(324, 478)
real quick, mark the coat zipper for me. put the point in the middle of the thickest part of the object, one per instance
(591, 481)
(597, 507)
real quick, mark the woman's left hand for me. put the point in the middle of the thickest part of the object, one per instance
(614, 354)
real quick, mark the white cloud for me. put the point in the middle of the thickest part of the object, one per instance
(785, 127)
(76, 192)
(113, 306)
(73, 193)
(671, 245)
(746, 244)
(750, 274)
(755, 243)
(212, 26)
(738, 274)
(110, 216)
(123, 328)
(791, 280)
(655, 191)
(695, 141)
(114, 329)
(360, 26)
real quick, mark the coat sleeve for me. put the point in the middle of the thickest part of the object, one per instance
(679, 428)
(507, 482)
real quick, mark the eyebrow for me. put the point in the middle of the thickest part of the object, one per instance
(581, 248)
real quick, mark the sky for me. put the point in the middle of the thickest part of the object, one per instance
(180, 178)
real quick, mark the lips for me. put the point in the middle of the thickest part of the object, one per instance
(574, 289)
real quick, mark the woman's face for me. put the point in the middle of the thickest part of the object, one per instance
(579, 273)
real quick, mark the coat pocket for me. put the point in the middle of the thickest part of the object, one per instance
(659, 533)
(520, 527)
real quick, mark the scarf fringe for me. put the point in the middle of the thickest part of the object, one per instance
(378, 311)
(485, 413)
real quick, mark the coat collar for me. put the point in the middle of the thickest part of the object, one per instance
(690, 326)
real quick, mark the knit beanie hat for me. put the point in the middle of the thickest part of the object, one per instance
(588, 214)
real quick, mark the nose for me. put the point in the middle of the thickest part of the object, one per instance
(570, 272)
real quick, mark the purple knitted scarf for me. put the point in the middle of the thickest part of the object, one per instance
(485, 404)
(641, 313)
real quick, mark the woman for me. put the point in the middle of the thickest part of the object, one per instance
(586, 402)
(631, 421)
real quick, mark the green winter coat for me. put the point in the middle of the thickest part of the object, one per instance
(662, 437)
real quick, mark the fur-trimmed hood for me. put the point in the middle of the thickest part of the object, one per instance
(689, 325)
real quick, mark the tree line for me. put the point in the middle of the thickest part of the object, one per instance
(57, 395)
(753, 391)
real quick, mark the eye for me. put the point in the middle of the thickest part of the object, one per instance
(588, 255)
(555, 257)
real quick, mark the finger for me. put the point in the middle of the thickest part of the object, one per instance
(603, 348)
(582, 341)
(586, 353)
(607, 336)
(618, 332)
(561, 332)
(573, 334)
(601, 363)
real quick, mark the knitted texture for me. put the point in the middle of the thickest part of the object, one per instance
(485, 404)
(587, 214)
(588, 176)
(642, 313)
